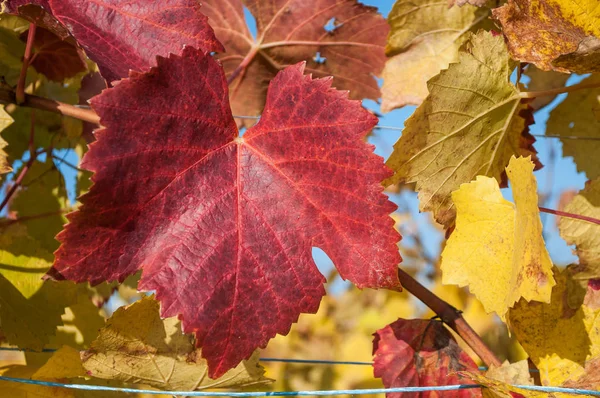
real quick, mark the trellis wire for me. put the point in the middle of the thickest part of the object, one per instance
(574, 391)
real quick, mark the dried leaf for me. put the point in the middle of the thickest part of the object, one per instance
(136, 346)
(424, 39)
(419, 353)
(223, 226)
(497, 247)
(471, 123)
(563, 35)
(500, 381)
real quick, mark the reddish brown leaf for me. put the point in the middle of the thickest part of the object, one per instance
(419, 352)
(120, 35)
(38, 12)
(288, 31)
(55, 58)
(222, 225)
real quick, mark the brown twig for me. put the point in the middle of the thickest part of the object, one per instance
(20, 93)
(32, 101)
(570, 215)
(450, 316)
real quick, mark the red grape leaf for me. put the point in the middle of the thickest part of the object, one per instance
(419, 353)
(120, 35)
(222, 225)
(351, 48)
(55, 58)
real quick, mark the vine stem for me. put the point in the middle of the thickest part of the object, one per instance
(450, 316)
(32, 158)
(32, 101)
(20, 94)
(570, 215)
(559, 90)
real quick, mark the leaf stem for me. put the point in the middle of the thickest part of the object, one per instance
(243, 65)
(32, 101)
(450, 316)
(20, 94)
(559, 90)
(570, 215)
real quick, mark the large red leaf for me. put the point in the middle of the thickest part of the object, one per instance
(420, 352)
(351, 49)
(121, 34)
(222, 225)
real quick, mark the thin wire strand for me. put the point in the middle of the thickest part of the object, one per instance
(574, 391)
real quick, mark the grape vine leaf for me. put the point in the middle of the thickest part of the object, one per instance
(541, 80)
(136, 346)
(575, 117)
(424, 39)
(43, 199)
(55, 58)
(460, 3)
(344, 39)
(419, 353)
(563, 343)
(584, 235)
(22, 390)
(180, 195)
(63, 364)
(120, 35)
(562, 35)
(30, 308)
(5, 121)
(497, 247)
(500, 381)
(471, 123)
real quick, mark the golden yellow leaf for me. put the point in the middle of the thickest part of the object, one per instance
(20, 390)
(425, 37)
(63, 364)
(497, 249)
(500, 380)
(469, 125)
(5, 121)
(564, 343)
(136, 346)
(584, 235)
(575, 117)
(563, 35)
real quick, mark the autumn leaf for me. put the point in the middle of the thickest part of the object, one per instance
(497, 249)
(460, 3)
(23, 390)
(563, 343)
(63, 364)
(30, 308)
(500, 381)
(563, 35)
(55, 58)
(120, 35)
(136, 346)
(425, 37)
(575, 117)
(471, 123)
(290, 31)
(178, 193)
(583, 234)
(541, 80)
(419, 353)
(5, 121)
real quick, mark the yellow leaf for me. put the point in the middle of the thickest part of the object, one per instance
(425, 37)
(63, 364)
(497, 247)
(575, 117)
(5, 121)
(563, 343)
(10, 389)
(136, 346)
(584, 235)
(469, 125)
(500, 380)
(563, 35)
